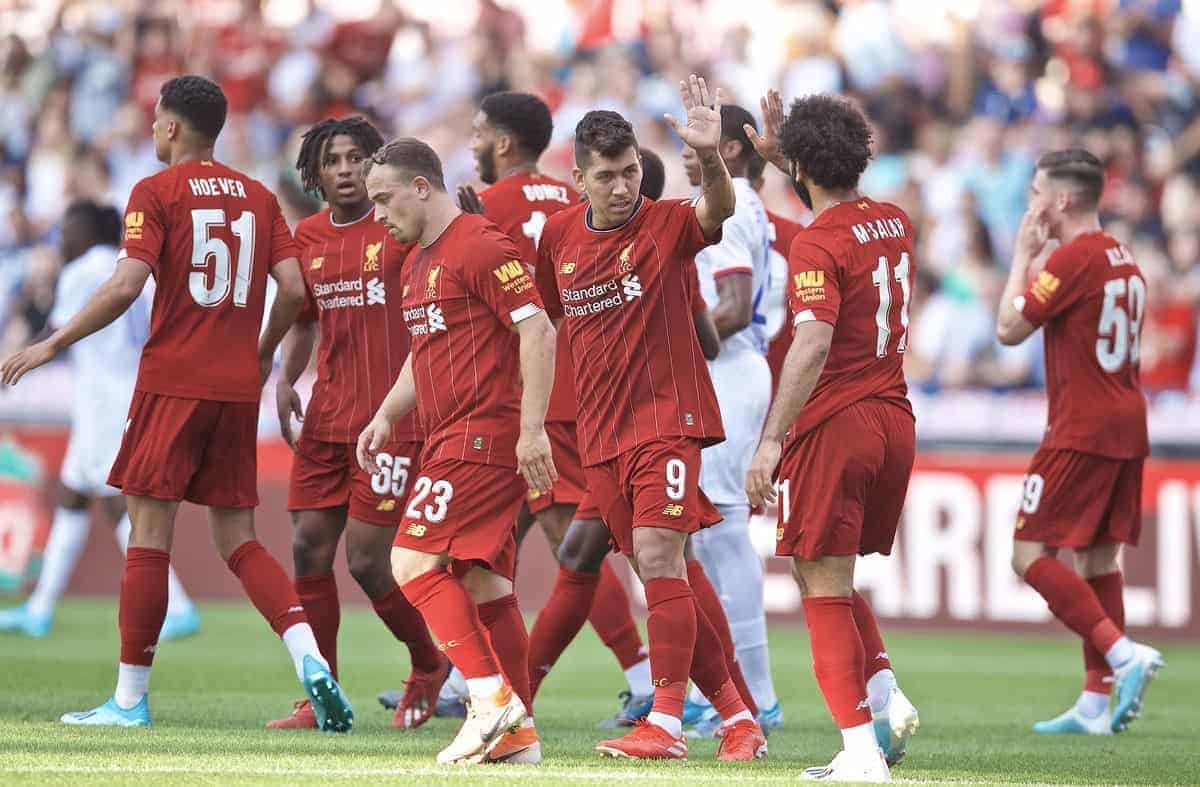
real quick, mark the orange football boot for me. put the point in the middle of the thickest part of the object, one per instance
(742, 741)
(420, 698)
(517, 748)
(646, 742)
(301, 718)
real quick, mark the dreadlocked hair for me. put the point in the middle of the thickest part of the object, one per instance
(316, 139)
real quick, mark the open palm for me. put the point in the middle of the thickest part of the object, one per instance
(702, 128)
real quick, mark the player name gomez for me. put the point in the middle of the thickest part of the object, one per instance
(215, 187)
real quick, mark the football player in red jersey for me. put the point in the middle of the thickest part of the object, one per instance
(209, 235)
(510, 132)
(621, 264)
(841, 420)
(479, 373)
(352, 268)
(1084, 487)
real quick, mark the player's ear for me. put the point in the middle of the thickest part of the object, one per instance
(422, 186)
(503, 144)
(577, 176)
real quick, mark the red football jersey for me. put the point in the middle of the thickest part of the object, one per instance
(210, 235)
(462, 295)
(1091, 299)
(351, 271)
(853, 268)
(625, 292)
(783, 232)
(520, 205)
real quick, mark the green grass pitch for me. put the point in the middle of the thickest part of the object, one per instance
(978, 695)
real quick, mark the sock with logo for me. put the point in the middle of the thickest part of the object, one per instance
(267, 586)
(407, 625)
(143, 604)
(671, 626)
(1109, 589)
(560, 620)
(613, 622)
(710, 669)
(1074, 602)
(319, 597)
(506, 632)
(68, 537)
(709, 605)
(454, 618)
(838, 658)
(868, 631)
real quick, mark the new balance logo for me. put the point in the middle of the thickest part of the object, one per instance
(882, 655)
(386, 505)
(672, 510)
(631, 285)
(437, 320)
(316, 263)
(151, 649)
(375, 292)
(415, 530)
(567, 268)
(295, 609)
(864, 705)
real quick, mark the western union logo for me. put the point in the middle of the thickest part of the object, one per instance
(371, 263)
(1045, 286)
(415, 530)
(567, 268)
(316, 263)
(673, 510)
(386, 505)
(1020, 522)
(513, 269)
(806, 279)
(135, 219)
(779, 534)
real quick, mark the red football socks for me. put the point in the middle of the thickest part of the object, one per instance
(612, 620)
(407, 625)
(868, 631)
(671, 626)
(838, 658)
(506, 631)
(448, 609)
(708, 605)
(1073, 601)
(1109, 589)
(319, 597)
(560, 620)
(267, 586)
(143, 605)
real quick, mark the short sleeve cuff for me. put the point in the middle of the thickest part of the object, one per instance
(735, 269)
(523, 312)
(808, 315)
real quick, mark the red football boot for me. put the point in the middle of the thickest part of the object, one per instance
(420, 698)
(742, 741)
(301, 718)
(646, 742)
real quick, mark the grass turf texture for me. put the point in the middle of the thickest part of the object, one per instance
(978, 696)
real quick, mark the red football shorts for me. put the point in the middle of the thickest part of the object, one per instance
(189, 449)
(466, 510)
(571, 485)
(327, 475)
(657, 484)
(1077, 500)
(842, 485)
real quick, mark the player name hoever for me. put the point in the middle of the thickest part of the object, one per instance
(542, 192)
(215, 187)
(880, 228)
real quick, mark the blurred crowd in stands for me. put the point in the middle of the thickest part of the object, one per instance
(964, 95)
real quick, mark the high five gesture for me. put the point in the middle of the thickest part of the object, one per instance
(767, 144)
(701, 131)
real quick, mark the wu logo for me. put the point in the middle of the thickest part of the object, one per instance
(631, 285)
(375, 292)
(509, 271)
(437, 320)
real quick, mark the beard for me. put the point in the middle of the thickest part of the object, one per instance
(802, 192)
(487, 165)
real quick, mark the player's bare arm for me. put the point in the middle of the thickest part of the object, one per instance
(735, 303)
(801, 369)
(706, 332)
(767, 144)
(109, 303)
(1011, 326)
(534, 461)
(289, 300)
(400, 399)
(297, 350)
(702, 133)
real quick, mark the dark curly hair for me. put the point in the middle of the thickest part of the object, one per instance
(523, 115)
(604, 132)
(828, 140)
(198, 100)
(316, 139)
(654, 174)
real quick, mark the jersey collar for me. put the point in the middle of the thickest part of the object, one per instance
(587, 217)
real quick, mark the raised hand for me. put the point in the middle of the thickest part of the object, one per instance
(469, 201)
(702, 127)
(767, 144)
